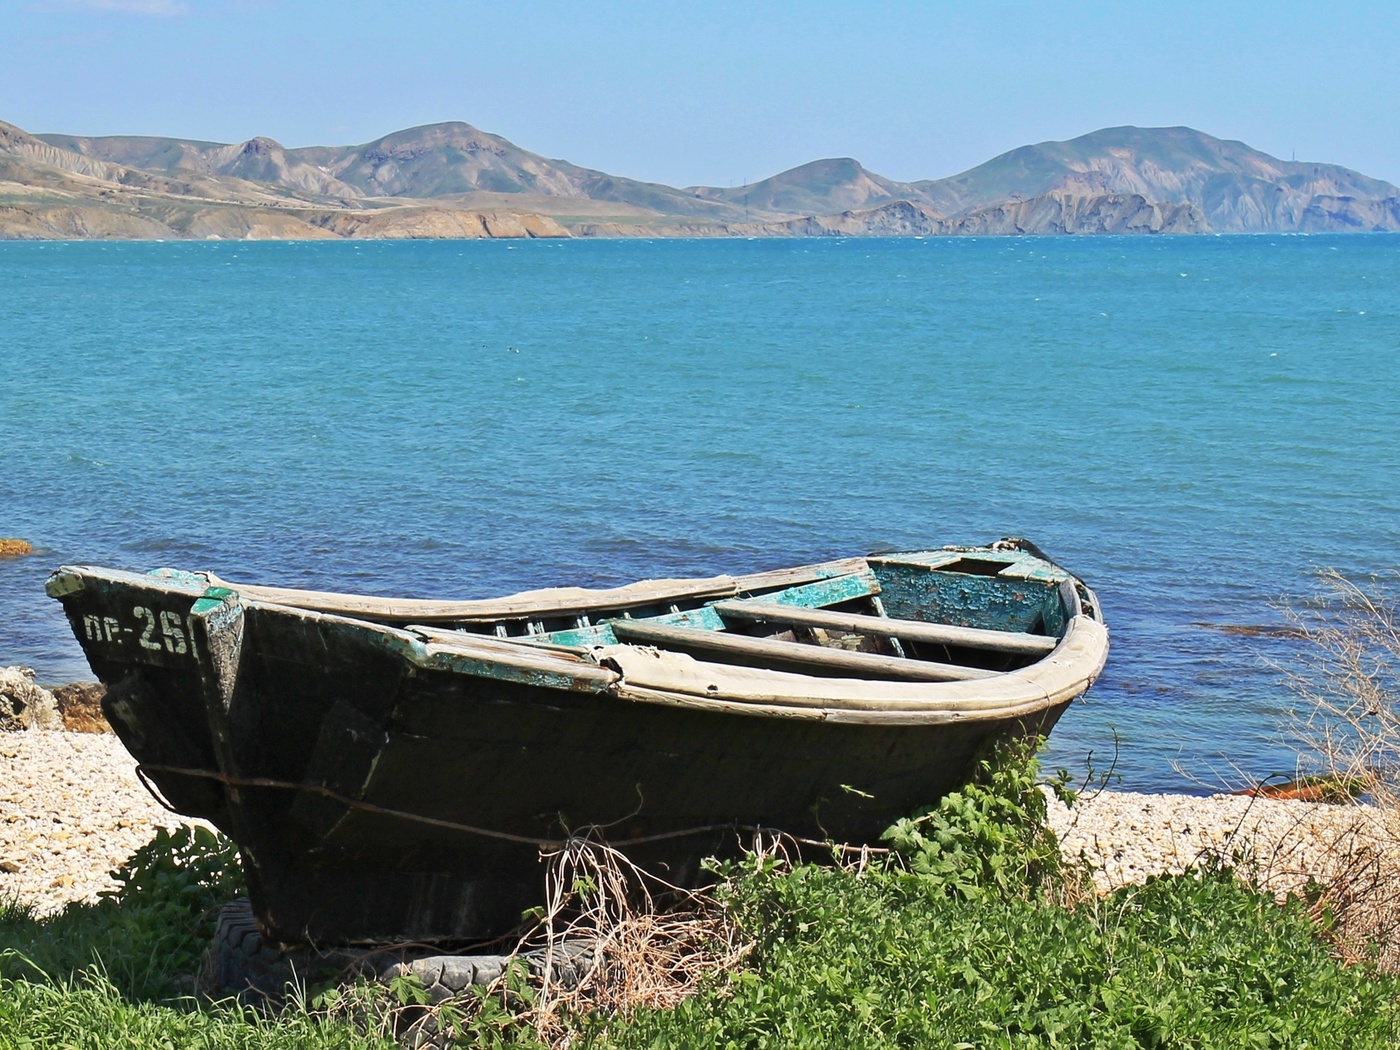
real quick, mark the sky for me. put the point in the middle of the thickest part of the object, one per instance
(715, 93)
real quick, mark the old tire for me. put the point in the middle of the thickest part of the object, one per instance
(241, 962)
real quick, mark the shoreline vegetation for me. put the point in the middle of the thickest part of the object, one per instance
(1015, 912)
(454, 181)
(1012, 914)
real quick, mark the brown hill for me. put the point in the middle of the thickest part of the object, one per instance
(818, 188)
(454, 180)
(451, 159)
(259, 160)
(251, 191)
(1237, 188)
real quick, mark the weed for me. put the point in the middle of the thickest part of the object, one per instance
(959, 940)
(988, 837)
(1348, 683)
(147, 934)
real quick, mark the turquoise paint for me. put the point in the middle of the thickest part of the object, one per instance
(830, 591)
(704, 618)
(910, 592)
(211, 599)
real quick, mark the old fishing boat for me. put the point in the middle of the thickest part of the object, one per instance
(390, 768)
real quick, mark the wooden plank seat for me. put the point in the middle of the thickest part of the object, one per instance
(773, 650)
(885, 627)
(828, 590)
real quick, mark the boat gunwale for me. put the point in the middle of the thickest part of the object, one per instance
(549, 601)
(1061, 675)
(1016, 693)
(647, 674)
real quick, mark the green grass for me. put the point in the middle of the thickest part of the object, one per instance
(887, 960)
(971, 935)
(145, 936)
(119, 973)
(93, 1013)
(974, 936)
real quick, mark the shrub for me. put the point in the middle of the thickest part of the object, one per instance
(1349, 683)
(1348, 723)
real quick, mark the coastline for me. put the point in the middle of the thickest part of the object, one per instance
(72, 809)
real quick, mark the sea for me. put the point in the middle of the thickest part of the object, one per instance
(1197, 426)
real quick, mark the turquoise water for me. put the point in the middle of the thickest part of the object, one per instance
(1194, 425)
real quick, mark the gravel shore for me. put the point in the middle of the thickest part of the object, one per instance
(1279, 844)
(72, 809)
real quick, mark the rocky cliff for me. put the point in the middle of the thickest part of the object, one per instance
(1082, 213)
(1053, 213)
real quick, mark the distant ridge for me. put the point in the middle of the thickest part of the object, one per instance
(454, 180)
(1238, 188)
(816, 188)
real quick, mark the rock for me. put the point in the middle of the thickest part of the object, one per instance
(80, 705)
(1063, 213)
(14, 548)
(1330, 214)
(1051, 213)
(425, 222)
(250, 224)
(42, 222)
(24, 705)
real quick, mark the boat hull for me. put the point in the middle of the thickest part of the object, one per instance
(380, 793)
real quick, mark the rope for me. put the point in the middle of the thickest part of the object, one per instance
(449, 825)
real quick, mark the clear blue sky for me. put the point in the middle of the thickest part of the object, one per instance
(697, 93)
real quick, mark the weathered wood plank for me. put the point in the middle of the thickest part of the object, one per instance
(910, 630)
(871, 665)
(1002, 603)
(511, 660)
(553, 601)
(826, 591)
(830, 591)
(760, 581)
(556, 601)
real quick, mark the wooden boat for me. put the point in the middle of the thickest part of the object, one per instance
(390, 768)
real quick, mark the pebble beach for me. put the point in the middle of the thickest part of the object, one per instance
(72, 809)
(1279, 844)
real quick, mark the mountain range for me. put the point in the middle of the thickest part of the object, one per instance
(453, 180)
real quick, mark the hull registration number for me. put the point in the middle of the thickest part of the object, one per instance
(163, 632)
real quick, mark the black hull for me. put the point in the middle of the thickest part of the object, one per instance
(375, 799)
